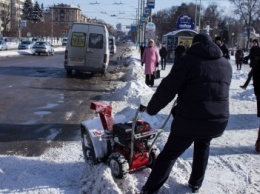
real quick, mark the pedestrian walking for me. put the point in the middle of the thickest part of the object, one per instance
(142, 47)
(151, 60)
(179, 51)
(256, 84)
(239, 55)
(223, 47)
(254, 58)
(201, 113)
(163, 54)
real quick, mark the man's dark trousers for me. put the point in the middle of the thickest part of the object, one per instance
(249, 77)
(174, 147)
(163, 62)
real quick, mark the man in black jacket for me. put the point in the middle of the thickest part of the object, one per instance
(142, 47)
(179, 51)
(223, 47)
(254, 57)
(163, 54)
(201, 80)
(255, 71)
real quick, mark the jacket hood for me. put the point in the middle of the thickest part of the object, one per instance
(205, 49)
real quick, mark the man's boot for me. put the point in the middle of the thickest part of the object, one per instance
(257, 143)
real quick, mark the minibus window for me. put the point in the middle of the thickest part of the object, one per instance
(96, 41)
(78, 39)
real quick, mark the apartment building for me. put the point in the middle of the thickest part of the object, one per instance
(10, 13)
(62, 16)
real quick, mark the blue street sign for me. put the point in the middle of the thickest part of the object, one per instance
(133, 28)
(185, 22)
(151, 4)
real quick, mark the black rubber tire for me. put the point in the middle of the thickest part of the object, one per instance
(88, 148)
(119, 165)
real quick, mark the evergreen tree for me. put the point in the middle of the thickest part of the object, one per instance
(33, 13)
(27, 10)
(37, 13)
(223, 28)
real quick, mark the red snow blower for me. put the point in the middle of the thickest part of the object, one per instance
(125, 146)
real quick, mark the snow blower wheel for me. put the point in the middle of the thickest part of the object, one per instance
(88, 149)
(119, 165)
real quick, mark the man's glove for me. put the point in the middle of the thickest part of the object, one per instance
(142, 108)
(157, 64)
(245, 60)
(142, 63)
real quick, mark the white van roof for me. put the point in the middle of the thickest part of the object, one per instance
(81, 23)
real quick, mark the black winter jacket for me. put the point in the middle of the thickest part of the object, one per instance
(201, 79)
(225, 51)
(179, 51)
(163, 52)
(254, 56)
(256, 80)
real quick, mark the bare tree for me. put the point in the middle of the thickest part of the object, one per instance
(166, 19)
(6, 19)
(249, 11)
(211, 16)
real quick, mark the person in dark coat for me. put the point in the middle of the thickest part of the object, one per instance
(163, 54)
(179, 51)
(201, 80)
(239, 58)
(223, 47)
(256, 84)
(254, 58)
(142, 47)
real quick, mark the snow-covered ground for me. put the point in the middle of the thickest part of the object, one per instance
(233, 165)
(9, 53)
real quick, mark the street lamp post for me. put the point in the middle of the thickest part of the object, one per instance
(199, 17)
(52, 24)
(197, 25)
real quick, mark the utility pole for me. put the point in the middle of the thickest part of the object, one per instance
(138, 22)
(19, 23)
(199, 17)
(52, 24)
(143, 35)
(195, 16)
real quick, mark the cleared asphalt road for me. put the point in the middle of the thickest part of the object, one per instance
(41, 107)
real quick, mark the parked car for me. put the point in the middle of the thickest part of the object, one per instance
(27, 44)
(3, 45)
(43, 47)
(64, 41)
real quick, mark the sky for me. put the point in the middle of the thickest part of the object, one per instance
(125, 12)
(233, 163)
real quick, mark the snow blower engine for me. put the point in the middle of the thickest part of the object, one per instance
(126, 146)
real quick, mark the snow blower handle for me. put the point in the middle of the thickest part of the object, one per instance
(142, 108)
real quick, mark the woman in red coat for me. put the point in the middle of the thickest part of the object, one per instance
(150, 59)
